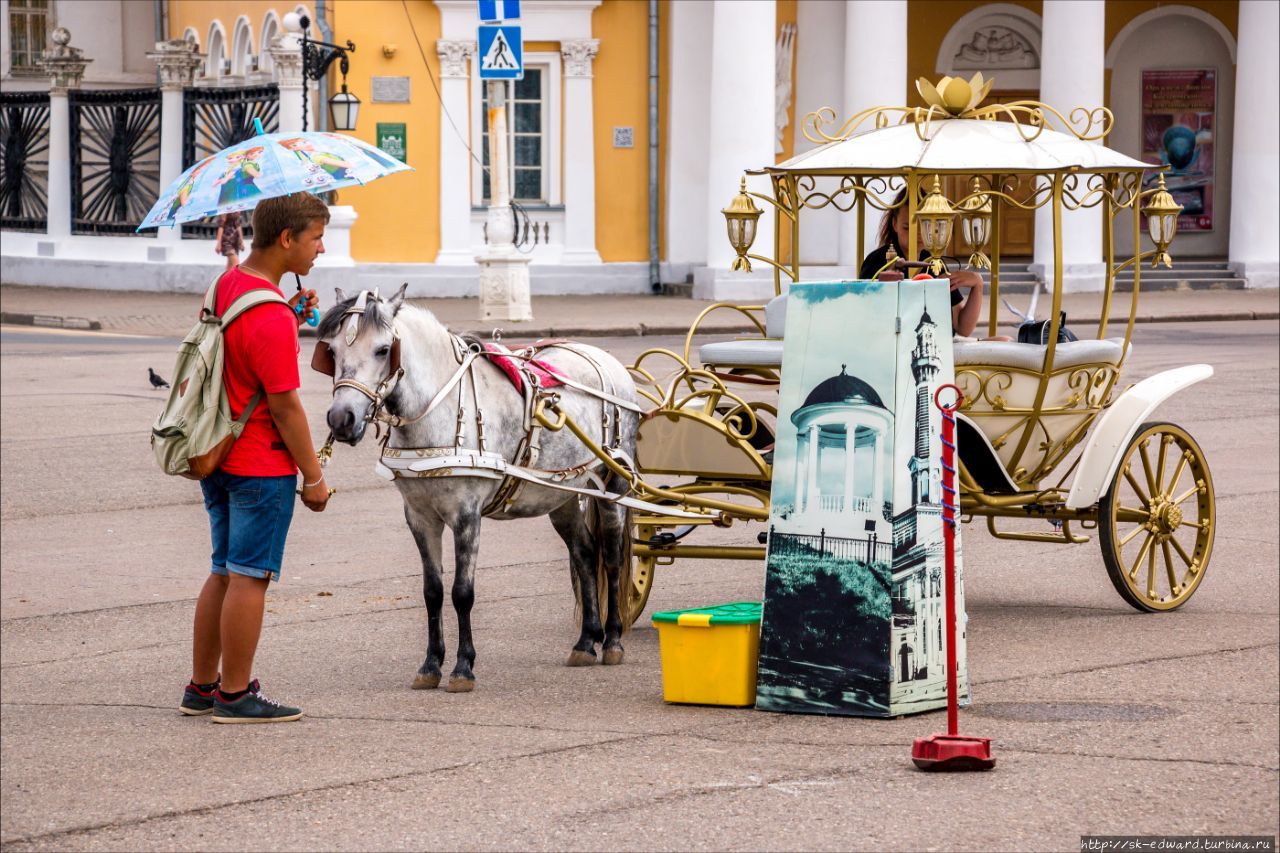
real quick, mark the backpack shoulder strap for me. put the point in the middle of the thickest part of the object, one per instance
(211, 297)
(250, 299)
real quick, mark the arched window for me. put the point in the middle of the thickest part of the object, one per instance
(242, 58)
(270, 30)
(216, 64)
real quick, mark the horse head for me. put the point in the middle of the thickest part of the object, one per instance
(359, 347)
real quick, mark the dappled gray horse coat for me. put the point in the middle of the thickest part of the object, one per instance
(597, 532)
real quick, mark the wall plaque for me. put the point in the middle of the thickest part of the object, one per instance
(391, 139)
(390, 90)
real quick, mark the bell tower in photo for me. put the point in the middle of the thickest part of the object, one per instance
(925, 365)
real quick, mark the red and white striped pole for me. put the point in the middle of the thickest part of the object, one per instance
(951, 751)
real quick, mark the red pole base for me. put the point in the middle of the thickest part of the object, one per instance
(942, 753)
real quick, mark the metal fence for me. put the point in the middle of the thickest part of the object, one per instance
(24, 160)
(213, 119)
(115, 159)
(866, 550)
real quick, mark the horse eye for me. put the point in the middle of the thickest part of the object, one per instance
(382, 351)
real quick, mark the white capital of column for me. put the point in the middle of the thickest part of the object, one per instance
(1072, 58)
(1255, 184)
(742, 131)
(875, 74)
(579, 153)
(455, 165)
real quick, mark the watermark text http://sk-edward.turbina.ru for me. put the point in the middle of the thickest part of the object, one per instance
(1173, 843)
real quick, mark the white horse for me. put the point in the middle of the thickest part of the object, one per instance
(457, 421)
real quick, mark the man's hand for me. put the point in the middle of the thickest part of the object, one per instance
(309, 302)
(316, 496)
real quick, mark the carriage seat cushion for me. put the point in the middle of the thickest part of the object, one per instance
(1031, 356)
(753, 352)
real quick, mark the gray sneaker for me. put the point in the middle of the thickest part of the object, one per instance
(252, 707)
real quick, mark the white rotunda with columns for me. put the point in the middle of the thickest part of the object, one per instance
(843, 434)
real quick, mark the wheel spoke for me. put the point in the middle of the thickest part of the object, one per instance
(1177, 473)
(1151, 574)
(1174, 587)
(1142, 496)
(1188, 493)
(1129, 513)
(1186, 558)
(1146, 467)
(1129, 537)
(1146, 546)
(1164, 447)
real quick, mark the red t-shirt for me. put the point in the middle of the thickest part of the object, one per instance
(261, 352)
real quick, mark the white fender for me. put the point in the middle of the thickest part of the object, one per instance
(1119, 424)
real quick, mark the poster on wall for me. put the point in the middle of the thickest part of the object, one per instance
(1178, 131)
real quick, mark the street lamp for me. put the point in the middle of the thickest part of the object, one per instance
(317, 56)
(740, 217)
(935, 219)
(975, 225)
(1162, 223)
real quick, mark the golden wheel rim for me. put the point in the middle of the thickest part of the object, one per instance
(641, 577)
(1162, 517)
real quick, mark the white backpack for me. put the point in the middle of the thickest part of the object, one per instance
(195, 432)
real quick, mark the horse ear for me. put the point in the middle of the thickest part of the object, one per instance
(396, 301)
(338, 295)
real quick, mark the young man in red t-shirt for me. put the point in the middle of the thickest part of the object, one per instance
(250, 498)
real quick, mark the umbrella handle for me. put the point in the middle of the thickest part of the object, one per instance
(257, 126)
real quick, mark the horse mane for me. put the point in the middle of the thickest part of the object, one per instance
(376, 314)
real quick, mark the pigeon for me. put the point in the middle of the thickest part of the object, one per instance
(156, 380)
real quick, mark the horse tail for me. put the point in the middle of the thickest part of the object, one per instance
(626, 581)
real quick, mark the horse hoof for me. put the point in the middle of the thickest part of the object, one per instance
(613, 656)
(426, 682)
(581, 658)
(457, 684)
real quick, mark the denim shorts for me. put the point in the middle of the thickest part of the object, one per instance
(249, 519)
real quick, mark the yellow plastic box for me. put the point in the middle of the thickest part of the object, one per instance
(709, 654)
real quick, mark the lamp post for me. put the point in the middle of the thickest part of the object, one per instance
(740, 217)
(935, 218)
(1162, 223)
(317, 56)
(975, 225)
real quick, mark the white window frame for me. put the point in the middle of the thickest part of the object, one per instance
(552, 96)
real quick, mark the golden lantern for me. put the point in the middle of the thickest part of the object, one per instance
(975, 226)
(740, 217)
(934, 219)
(1162, 223)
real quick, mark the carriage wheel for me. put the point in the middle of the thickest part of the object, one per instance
(1155, 522)
(642, 569)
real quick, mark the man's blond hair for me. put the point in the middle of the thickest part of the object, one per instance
(293, 213)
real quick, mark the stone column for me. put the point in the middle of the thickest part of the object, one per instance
(178, 60)
(1255, 184)
(455, 159)
(801, 450)
(579, 153)
(65, 66)
(875, 74)
(877, 464)
(815, 436)
(742, 136)
(286, 70)
(850, 459)
(1071, 73)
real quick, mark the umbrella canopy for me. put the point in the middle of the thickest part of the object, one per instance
(959, 145)
(266, 166)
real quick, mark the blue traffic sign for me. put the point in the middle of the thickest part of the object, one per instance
(501, 53)
(493, 11)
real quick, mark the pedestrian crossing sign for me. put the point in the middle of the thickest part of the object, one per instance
(501, 53)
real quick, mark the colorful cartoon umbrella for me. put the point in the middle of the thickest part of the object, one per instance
(266, 166)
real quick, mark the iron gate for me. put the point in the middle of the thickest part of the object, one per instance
(24, 160)
(115, 159)
(213, 119)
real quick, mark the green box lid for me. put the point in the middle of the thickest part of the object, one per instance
(737, 613)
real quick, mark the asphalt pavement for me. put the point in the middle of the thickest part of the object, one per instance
(1104, 720)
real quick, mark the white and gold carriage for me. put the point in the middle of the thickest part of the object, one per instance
(1046, 431)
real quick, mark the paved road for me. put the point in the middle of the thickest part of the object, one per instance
(1104, 720)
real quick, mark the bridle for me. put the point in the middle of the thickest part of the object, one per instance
(322, 360)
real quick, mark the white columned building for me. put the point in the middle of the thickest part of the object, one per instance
(742, 136)
(65, 66)
(455, 160)
(875, 74)
(178, 60)
(579, 153)
(1072, 65)
(1255, 183)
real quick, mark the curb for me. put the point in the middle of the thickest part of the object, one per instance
(50, 321)
(637, 330)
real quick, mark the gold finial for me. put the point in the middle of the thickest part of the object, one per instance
(954, 95)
